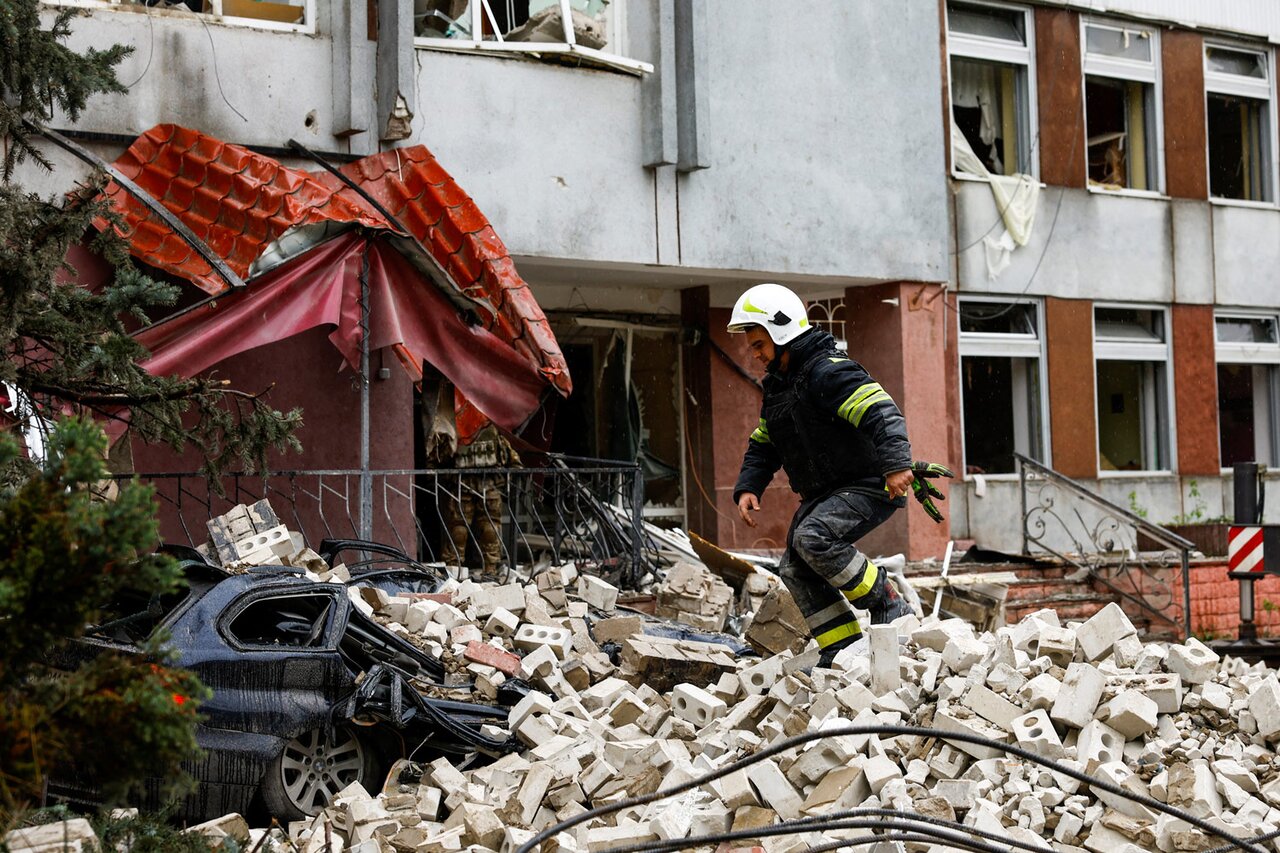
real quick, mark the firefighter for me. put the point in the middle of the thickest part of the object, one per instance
(843, 443)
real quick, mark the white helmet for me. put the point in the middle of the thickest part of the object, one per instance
(772, 306)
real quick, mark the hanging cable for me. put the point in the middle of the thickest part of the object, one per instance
(894, 731)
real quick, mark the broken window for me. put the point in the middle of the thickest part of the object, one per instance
(1001, 362)
(574, 31)
(990, 83)
(1121, 107)
(1238, 111)
(1248, 354)
(1132, 355)
(297, 621)
(298, 15)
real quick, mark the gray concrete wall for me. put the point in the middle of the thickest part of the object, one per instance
(995, 519)
(1125, 248)
(238, 83)
(810, 169)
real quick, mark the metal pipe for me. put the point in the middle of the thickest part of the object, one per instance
(217, 264)
(366, 476)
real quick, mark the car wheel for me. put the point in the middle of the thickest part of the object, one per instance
(314, 767)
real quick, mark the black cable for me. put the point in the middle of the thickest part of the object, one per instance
(1257, 839)
(842, 819)
(892, 730)
(925, 832)
(864, 840)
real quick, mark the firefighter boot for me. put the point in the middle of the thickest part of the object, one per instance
(883, 602)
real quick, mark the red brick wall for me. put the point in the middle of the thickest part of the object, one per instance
(1195, 389)
(1185, 146)
(1072, 424)
(1061, 100)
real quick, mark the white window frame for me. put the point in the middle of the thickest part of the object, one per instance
(1139, 351)
(1216, 82)
(967, 46)
(1254, 355)
(477, 44)
(1012, 345)
(1118, 68)
(308, 25)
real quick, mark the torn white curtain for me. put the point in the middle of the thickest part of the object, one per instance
(1015, 195)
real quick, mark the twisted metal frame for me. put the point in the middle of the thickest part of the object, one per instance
(587, 510)
(1106, 550)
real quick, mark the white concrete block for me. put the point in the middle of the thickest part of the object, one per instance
(1131, 713)
(530, 637)
(886, 672)
(1078, 698)
(1040, 692)
(759, 678)
(1057, 644)
(1035, 732)
(1100, 632)
(501, 623)
(879, 770)
(991, 706)
(774, 789)
(1264, 705)
(696, 705)
(598, 593)
(1193, 660)
(1098, 743)
(962, 653)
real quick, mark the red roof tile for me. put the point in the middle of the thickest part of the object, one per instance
(239, 202)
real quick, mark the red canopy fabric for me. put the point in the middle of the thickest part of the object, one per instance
(322, 288)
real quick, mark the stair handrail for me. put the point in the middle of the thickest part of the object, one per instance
(1162, 535)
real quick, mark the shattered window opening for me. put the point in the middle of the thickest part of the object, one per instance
(1131, 354)
(990, 75)
(289, 15)
(1122, 110)
(594, 34)
(1248, 355)
(1238, 118)
(296, 621)
(1001, 382)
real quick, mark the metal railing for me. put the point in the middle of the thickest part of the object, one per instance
(585, 510)
(1101, 540)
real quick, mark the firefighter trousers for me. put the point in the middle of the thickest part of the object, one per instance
(824, 570)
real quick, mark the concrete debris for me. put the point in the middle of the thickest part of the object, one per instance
(1174, 723)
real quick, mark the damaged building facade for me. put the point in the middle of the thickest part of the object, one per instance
(1115, 313)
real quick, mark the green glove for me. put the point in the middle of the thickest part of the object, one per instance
(926, 491)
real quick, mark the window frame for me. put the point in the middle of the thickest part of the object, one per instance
(1115, 68)
(477, 45)
(1143, 352)
(307, 27)
(1253, 355)
(980, 48)
(1218, 83)
(1011, 345)
(252, 597)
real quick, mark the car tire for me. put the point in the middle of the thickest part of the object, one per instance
(317, 764)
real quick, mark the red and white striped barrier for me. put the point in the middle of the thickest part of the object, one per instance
(1244, 549)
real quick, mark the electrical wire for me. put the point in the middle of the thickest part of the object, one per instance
(151, 49)
(859, 818)
(894, 731)
(217, 75)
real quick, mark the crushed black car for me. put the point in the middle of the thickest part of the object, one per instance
(310, 693)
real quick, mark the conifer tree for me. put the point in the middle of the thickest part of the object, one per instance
(69, 557)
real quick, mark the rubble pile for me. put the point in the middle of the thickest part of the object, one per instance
(1170, 722)
(621, 708)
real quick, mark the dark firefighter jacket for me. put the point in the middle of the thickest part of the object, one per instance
(827, 423)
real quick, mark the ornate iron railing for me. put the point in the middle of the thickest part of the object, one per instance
(587, 510)
(1101, 540)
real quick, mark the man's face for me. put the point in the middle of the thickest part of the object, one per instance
(762, 349)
